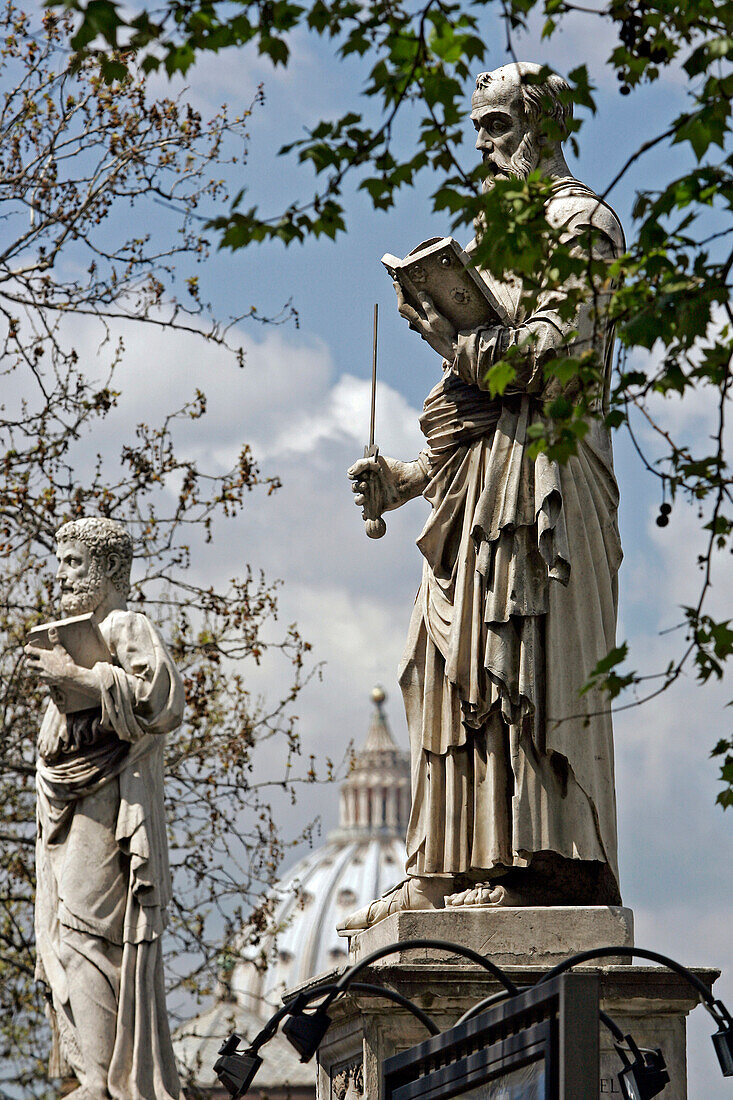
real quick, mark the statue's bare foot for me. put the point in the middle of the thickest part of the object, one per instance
(484, 894)
(411, 894)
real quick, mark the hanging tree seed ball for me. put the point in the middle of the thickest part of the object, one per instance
(662, 520)
(665, 508)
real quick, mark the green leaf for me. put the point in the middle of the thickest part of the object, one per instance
(100, 18)
(615, 656)
(501, 375)
(111, 69)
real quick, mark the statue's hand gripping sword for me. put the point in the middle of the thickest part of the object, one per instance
(375, 526)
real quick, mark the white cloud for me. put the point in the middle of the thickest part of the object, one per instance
(350, 596)
(343, 415)
(285, 400)
(233, 75)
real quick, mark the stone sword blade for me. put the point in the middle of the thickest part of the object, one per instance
(375, 527)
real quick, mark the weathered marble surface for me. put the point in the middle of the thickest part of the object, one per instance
(509, 937)
(103, 879)
(512, 769)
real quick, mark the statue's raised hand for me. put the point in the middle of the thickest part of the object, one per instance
(381, 484)
(375, 485)
(57, 670)
(52, 666)
(434, 328)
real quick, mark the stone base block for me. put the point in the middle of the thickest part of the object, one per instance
(649, 1003)
(508, 936)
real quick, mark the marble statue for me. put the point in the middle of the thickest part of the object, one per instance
(103, 879)
(512, 769)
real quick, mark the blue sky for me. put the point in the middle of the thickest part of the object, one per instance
(302, 402)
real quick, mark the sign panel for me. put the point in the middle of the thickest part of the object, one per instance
(539, 1045)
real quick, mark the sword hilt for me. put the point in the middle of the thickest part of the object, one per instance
(374, 527)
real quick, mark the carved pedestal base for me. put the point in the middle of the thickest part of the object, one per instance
(648, 1002)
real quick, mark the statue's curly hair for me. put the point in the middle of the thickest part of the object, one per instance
(546, 99)
(104, 537)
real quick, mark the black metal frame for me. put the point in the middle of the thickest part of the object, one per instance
(555, 1024)
(576, 1024)
(489, 1064)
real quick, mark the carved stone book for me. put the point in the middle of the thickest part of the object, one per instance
(441, 268)
(83, 641)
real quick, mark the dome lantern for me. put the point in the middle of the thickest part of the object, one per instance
(375, 796)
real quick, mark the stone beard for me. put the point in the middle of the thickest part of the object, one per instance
(512, 769)
(85, 594)
(103, 878)
(519, 165)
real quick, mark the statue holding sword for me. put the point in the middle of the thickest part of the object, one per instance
(512, 769)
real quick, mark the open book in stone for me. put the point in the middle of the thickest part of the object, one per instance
(441, 269)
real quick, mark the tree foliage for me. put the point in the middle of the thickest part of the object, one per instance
(81, 158)
(671, 297)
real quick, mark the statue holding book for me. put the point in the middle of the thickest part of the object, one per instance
(512, 768)
(103, 879)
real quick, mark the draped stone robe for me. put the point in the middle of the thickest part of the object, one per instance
(517, 602)
(102, 856)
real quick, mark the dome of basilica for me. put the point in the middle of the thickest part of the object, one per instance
(359, 860)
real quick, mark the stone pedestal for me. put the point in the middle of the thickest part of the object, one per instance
(509, 937)
(648, 1002)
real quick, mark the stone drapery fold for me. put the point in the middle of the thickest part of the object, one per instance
(516, 606)
(101, 808)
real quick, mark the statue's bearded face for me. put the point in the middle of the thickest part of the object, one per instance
(508, 145)
(81, 577)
